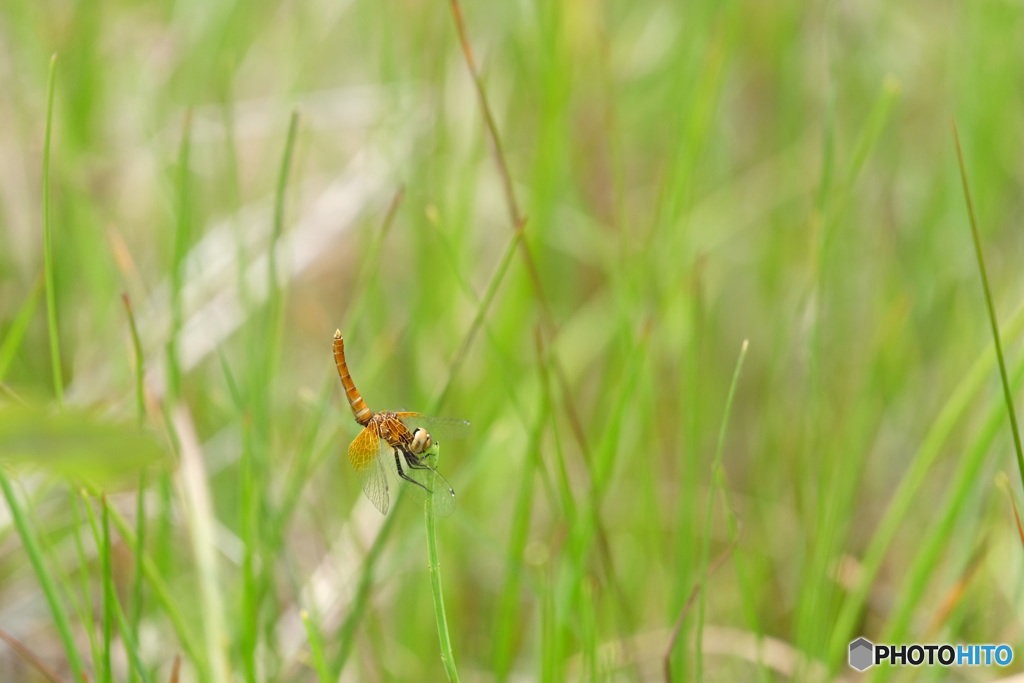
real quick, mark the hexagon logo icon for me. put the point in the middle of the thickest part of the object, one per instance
(861, 654)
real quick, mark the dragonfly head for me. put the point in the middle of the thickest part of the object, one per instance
(421, 441)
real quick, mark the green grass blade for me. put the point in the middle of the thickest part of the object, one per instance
(48, 267)
(966, 479)
(138, 580)
(102, 541)
(506, 621)
(316, 646)
(478, 318)
(108, 594)
(447, 655)
(140, 370)
(1007, 393)
(112, 610)
(275, 293)
(249, 536)
(346, 637)
(130, 642)
(182, 239)
(194, 489)
(164, 597)
(12, 340)
(140, 504)
(85, 611)
(902, 500)
(711, 506)
(31, 544)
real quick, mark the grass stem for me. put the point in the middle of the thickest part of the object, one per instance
(48, 267)
(35, 556)
(711, 506)
(1007, 392)
(447, 655)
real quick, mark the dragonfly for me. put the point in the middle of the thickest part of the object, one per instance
(400, 439)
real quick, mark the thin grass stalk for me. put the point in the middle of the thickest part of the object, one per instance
(48, 267)
(346, 636)
(370, 265)
(250, 603)
(112, 604)
(904, 497)
(478, 318)
(140, 535)
(158, 585)
(102, 664)
(44, 670)
(666, 662)
(182, 237)
(15, 334)
(108, 593)
(316, 646)
(505, 623)
(547, 317)
(112, 611)
(140, 495)
(711, 507)
(195, 494)
(85, 611)
(447, 654)
(746, 590)
(1007, 393)
(140, 371)
(31, 544)
(130, 643)
(517, 221)
(275, 295)
(966, 478)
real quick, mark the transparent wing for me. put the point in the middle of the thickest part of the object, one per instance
(364, 454)
(427, 485)
(439, 427)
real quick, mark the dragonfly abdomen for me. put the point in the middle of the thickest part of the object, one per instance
(359, 409)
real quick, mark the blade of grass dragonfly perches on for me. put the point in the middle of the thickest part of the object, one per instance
(447, 655)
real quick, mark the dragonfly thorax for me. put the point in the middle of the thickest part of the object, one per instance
(421, 441)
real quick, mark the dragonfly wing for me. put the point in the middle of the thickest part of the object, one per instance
(428, 484)
(364, 454)
(439, 427)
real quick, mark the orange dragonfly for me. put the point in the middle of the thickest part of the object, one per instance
(401, 435)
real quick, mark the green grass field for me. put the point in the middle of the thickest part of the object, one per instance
(700, 275)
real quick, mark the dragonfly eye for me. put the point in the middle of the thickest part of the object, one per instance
(421, 441)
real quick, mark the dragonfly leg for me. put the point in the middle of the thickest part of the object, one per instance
(413, 463)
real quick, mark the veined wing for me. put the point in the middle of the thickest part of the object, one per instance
(421, 480)
(364, 454)
(438, 427)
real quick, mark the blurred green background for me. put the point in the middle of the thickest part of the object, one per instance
(693, 175)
